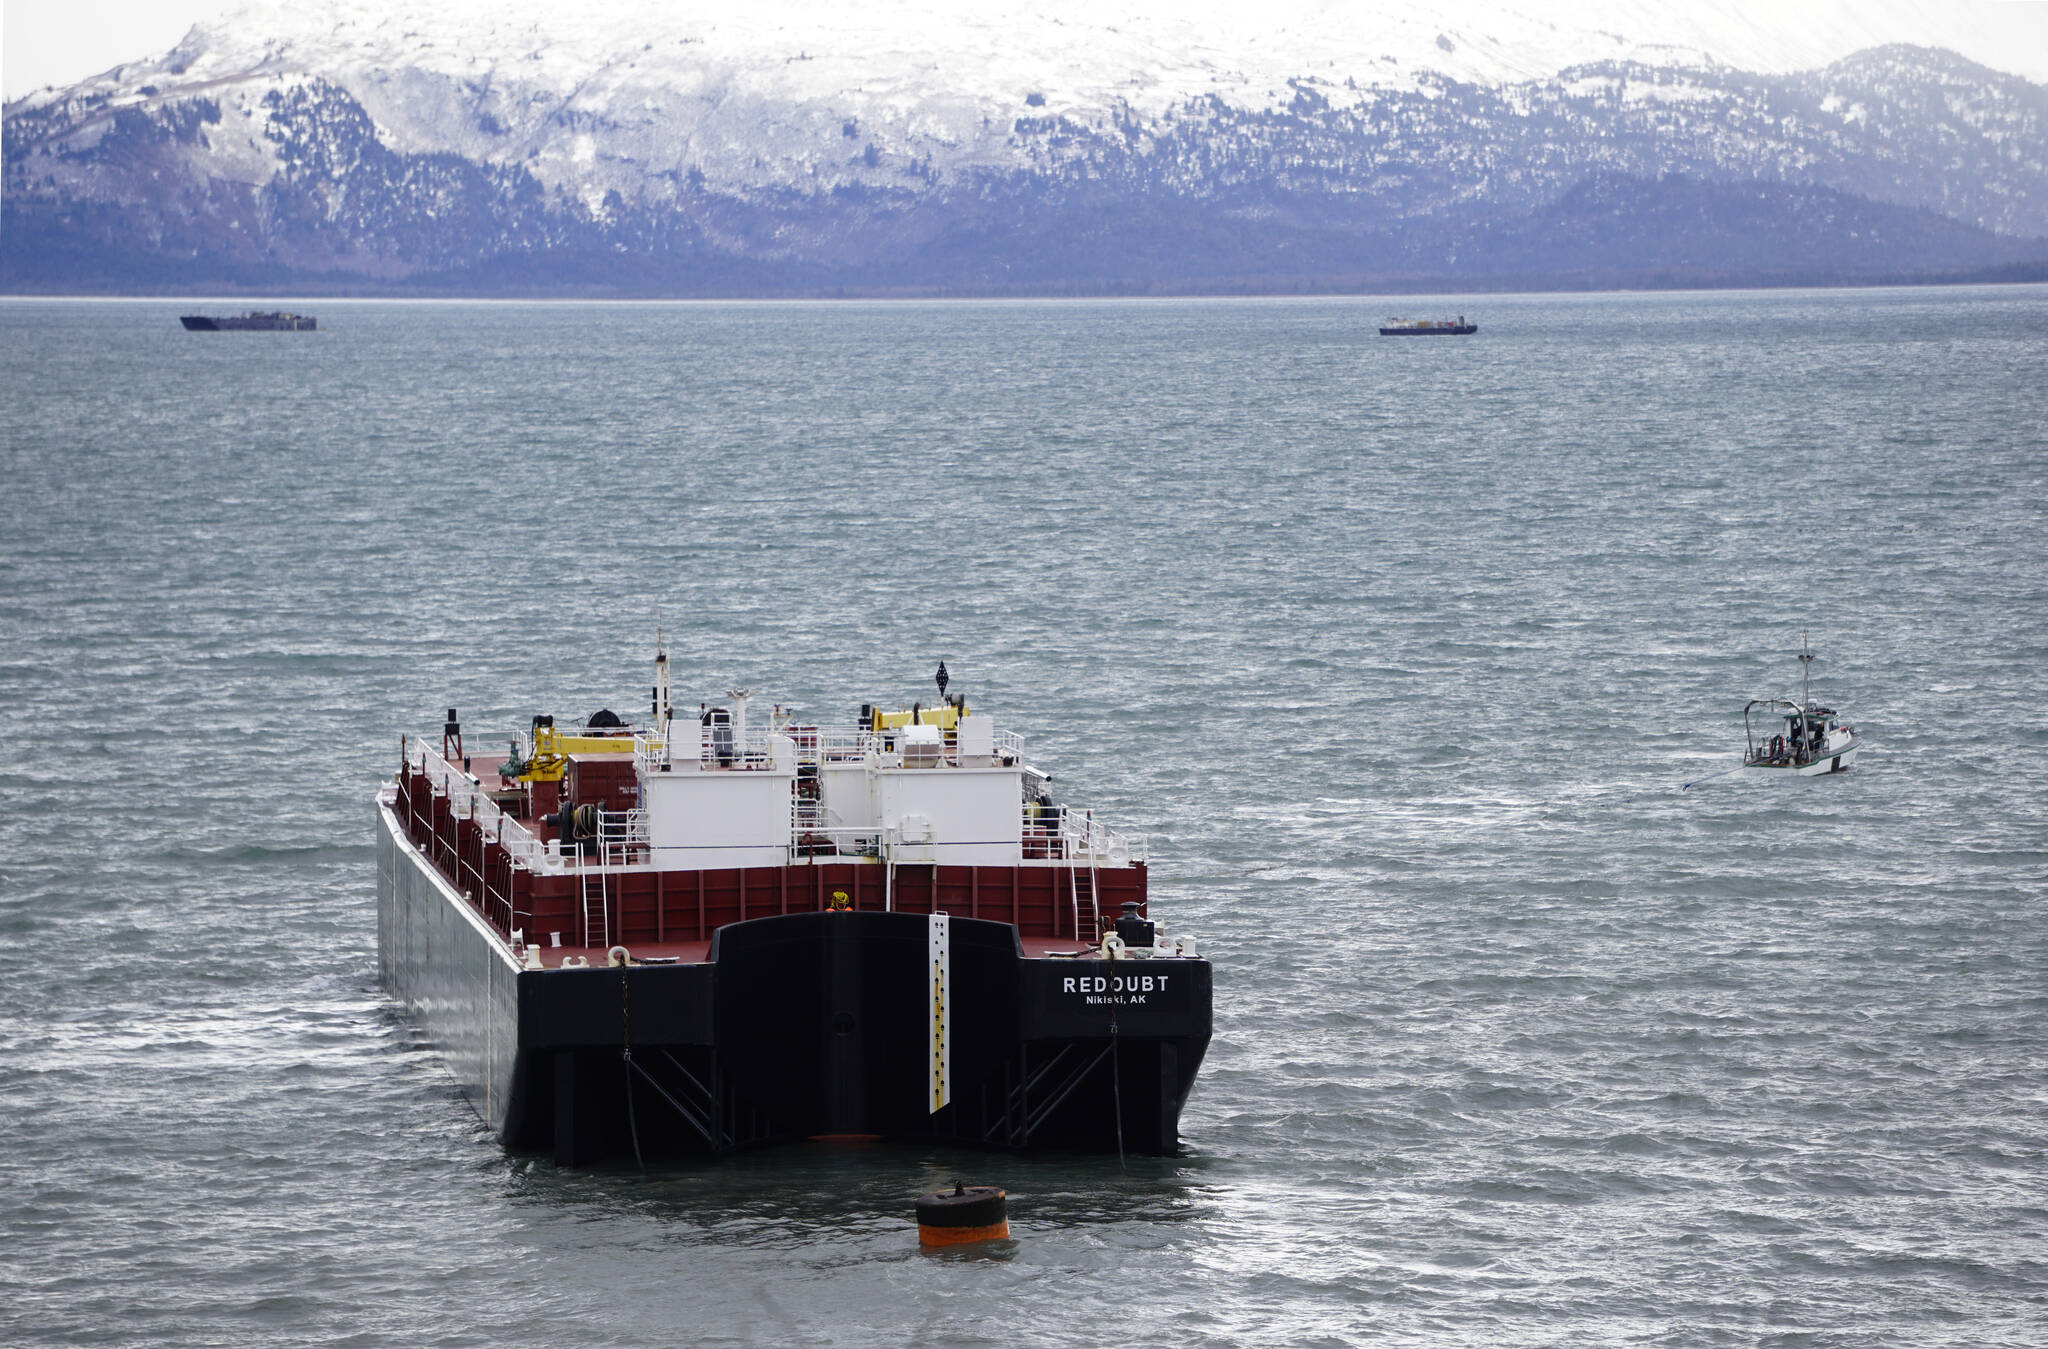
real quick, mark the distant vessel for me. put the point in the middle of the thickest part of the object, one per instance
(1813, 741)
(261, 321)
(1429, 328)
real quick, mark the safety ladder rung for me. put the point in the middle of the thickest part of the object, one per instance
(598, 932)
(1094, 906)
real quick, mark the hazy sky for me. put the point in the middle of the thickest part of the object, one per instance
(60, 41)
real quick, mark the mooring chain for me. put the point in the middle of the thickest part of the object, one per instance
(1116, 1091)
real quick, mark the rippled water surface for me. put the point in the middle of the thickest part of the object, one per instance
(1397, 651)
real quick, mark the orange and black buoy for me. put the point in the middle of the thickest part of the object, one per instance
(961, 1216)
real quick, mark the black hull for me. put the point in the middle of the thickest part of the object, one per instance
(254, 323)
(1456, 330)
(798, 1026)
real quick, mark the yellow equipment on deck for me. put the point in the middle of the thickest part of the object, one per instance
(551, 750)
(946, 716)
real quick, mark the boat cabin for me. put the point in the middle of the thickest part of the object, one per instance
(1804, 735)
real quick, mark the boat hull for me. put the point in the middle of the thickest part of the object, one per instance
(1449, 330)
(797, 1026)
(250, 323)
(1836, 762)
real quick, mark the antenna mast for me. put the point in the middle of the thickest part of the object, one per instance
(661, 709)
(1805, 672)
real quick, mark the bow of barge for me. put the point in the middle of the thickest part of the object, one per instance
(706, 934)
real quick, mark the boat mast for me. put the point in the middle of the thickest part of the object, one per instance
(661, 710)
(1805, 673)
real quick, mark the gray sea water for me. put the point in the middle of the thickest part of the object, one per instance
(1398, 652)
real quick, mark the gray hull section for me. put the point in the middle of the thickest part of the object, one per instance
(435, 955)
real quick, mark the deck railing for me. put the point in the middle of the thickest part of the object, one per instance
(734, 753)
(622, 838)
(755, 752)
(1080, 836)
(1066, 834)
(1073, 836)
(468, 799)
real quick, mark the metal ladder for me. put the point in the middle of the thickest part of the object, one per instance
(597, 929)
(1094, 904)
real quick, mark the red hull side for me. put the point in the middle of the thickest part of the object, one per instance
(1045, 901)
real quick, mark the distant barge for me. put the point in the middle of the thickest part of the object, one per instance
(272, 321)
(1429, 328)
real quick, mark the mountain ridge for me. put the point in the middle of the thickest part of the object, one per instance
(229, 159)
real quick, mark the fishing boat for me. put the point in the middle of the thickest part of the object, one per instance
(717, 931)
(1429, 328)
(1811, 739)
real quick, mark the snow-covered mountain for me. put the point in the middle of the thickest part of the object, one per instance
(915, 144)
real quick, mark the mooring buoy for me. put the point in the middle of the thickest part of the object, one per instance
(962, 1215)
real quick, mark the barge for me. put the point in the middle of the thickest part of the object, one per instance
(1429, 328)
(714, 932)
(259, 321)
